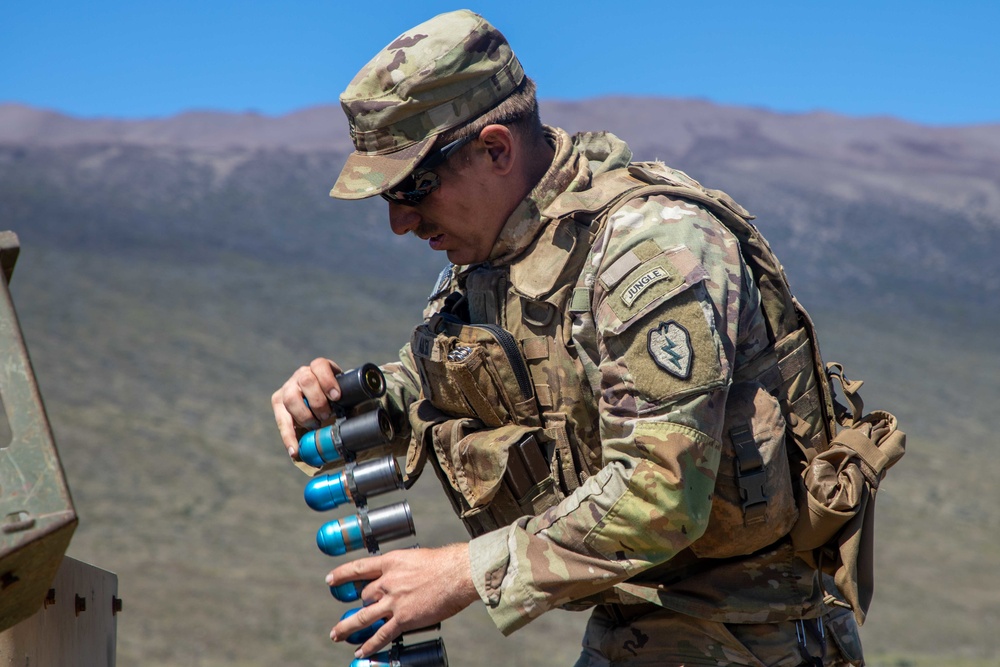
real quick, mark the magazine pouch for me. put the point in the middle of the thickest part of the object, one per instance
(494, 476)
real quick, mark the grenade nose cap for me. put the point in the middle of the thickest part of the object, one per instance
(330, 539)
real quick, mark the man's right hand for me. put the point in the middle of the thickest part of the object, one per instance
(303, 402)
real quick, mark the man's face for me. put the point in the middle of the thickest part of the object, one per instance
(463, 216)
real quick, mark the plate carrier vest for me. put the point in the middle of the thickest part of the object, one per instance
(509, 413)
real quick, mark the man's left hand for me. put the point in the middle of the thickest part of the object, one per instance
(409, 588)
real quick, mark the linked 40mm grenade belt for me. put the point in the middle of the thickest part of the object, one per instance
(362, 425)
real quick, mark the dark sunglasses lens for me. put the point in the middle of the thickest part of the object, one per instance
(398, 193)
(412, 190)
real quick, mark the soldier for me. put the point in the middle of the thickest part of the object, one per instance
(586, 383)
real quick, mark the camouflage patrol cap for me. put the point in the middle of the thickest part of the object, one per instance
(433, 77)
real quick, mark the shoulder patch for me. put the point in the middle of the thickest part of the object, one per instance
(639, 284)
(643, 285)
(674, 351)
(670, 346)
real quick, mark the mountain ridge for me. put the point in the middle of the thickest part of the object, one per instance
(905, 204)
(324, 124)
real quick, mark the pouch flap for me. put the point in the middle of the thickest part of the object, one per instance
(423, 416)
(538, 272)
(477, 459)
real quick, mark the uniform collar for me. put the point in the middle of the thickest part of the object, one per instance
(568, 172)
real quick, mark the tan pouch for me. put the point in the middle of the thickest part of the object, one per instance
(835, 531)
(753, 504)
(474, 371)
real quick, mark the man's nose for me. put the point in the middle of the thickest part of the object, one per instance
(403, 219)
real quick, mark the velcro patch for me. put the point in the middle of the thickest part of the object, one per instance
(670, 346)
(647, 286)
(422, 344)
(622, 266)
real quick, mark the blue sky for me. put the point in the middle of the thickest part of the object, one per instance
(929, 62)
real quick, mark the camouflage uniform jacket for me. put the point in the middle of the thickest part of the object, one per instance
(672, 312)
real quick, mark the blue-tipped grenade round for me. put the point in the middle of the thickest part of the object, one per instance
(345, 438)
(365, 530)
(349, 591)
(355, 484)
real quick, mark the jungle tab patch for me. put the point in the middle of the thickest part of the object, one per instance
(670, 346)
(639, 285)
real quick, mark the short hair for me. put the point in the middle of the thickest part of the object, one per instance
(518, 111)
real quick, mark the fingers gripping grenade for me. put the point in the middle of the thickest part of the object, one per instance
(361, 426)
(350, 435)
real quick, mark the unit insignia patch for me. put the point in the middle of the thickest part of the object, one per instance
(670, 346)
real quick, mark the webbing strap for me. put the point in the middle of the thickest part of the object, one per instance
(750, 473)
(555, 423)
(875, 461)
(850, 388)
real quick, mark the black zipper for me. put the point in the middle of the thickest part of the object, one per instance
(513, 352)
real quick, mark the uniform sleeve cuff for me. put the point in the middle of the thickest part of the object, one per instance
(489, 558)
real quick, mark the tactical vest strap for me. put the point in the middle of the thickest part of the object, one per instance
(486, 290)
(535, 348)
(850, 388)
(565, 462)
(750, 475)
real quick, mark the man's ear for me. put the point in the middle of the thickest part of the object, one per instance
(500, 146)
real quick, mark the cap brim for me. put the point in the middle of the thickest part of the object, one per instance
(366, 175)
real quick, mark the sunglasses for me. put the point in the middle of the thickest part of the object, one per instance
(421, 182)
